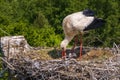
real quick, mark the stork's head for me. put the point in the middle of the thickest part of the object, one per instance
(88, 12)
(64, 43)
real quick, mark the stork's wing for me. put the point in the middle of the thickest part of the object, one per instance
(96, 23)
(83, 23)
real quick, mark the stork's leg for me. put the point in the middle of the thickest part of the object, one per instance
(63, 54)
(80, 46)
(75, 42)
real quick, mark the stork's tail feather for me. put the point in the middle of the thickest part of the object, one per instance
(97, 22)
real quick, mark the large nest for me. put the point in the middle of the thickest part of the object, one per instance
(27, 63)
(25, 67)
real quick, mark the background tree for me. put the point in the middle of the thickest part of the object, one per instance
(40, 21)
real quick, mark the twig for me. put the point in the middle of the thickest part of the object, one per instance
(90, 73)
(116, 47)
(9, 65)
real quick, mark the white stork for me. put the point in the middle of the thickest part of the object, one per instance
(77, 23)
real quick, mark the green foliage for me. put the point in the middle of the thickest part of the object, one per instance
(40, 21)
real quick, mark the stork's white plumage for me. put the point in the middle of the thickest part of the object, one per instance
(76, 23)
